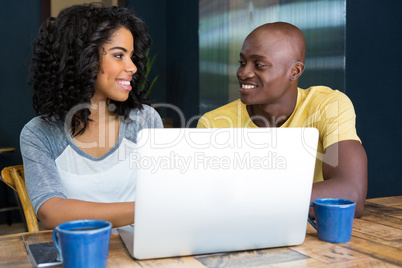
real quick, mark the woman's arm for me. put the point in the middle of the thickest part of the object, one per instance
(58, 210)
(39, 145)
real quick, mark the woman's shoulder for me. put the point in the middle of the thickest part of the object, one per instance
(146, 109)
(41, 135)
(41, 127)
(147, 115)
(40, 123)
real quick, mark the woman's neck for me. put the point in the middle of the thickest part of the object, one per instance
(101, 132)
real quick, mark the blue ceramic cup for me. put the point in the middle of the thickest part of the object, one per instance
(333, 219)
(83, 243)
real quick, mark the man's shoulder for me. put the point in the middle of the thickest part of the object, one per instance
(229, 108)
(323, 94)
(225, 116)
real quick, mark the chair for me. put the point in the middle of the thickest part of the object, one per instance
(14, 177)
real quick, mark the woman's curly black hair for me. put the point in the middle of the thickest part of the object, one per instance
(66, 61)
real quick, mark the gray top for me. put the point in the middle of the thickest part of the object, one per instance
(56, 167)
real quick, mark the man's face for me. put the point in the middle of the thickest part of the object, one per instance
(265, 69)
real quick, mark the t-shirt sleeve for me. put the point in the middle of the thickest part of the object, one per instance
(41, 175)
(202, 122)
(339, 121)
(155, 119)
(146, 118)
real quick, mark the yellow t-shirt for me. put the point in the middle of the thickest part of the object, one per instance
(330, 111)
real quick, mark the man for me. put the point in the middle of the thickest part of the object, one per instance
(271, 62)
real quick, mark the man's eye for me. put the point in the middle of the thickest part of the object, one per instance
(242, 63)
(258, 65)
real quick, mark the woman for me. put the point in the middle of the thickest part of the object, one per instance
(85, 72)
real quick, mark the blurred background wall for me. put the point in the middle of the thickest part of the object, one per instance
(355, 49)
(224, 25)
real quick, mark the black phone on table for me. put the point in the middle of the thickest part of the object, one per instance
(43, 254)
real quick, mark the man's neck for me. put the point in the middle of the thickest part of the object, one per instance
(272, 115)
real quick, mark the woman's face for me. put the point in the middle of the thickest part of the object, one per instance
(117, 68)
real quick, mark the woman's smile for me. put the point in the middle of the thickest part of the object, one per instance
(124, 83)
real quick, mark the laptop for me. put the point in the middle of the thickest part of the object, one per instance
(220, 190)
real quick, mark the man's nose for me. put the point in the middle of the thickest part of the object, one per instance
(245, 73)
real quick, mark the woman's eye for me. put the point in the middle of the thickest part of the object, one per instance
(119, 56)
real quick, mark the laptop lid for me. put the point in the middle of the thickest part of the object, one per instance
(217, 190)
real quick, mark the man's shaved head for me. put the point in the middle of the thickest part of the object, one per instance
(271, 62)
(287, 34)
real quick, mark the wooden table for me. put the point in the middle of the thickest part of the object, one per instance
(376, 242)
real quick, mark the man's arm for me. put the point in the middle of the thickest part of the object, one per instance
(348, 177)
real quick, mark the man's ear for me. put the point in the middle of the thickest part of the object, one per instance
(297, 70)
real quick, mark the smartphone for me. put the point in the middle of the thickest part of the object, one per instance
(43, 254)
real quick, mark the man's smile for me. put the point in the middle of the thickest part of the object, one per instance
(245, 89)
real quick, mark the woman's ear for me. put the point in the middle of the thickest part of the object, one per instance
(297, 70)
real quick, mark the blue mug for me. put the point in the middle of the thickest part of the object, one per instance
(83, 243)
(333, 219)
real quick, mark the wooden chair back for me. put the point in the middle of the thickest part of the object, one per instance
(14, 177)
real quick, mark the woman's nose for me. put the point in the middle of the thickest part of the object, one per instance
(130, 67)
